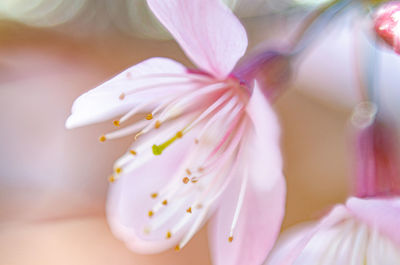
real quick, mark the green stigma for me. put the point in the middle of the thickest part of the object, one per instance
(158, 149)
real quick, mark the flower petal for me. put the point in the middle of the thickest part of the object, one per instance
(211, 36)
(103, 102)
(263, 206)
(291, 247)
(257, 228)
(129, 201)
(382, 214)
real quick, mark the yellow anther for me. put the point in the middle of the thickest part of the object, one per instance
(164, 202)
(188, 172)
(177, 248)
(179, 134)
(230, 239)
(116, 123)
(118, 170)
(149, 116)
(133, 152)
(154, 195)
(157, 125)
(189, 210)
(111, 179)
(122, 96)
(194, 180)
(102, 138)
(168, 236)
(185, 180)
(150, 213)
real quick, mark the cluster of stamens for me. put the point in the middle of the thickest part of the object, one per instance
(226, 107)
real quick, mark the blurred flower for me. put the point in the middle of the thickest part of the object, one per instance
(363, 231)
(133, 17)
(377, 159)
(208, 142)
(387, 24)
(41, 12)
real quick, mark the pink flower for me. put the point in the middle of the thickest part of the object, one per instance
(205, 144)
(363, 231)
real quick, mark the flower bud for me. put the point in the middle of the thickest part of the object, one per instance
(387, 24)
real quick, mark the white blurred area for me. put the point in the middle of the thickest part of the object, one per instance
(131, 17)
(53, 181)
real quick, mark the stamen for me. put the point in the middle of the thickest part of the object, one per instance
(195, 180)
(164, 202)
(111, 179)
(239, 203)
(187, 99)
(126, 131)
(134, 111)
(158, 149)
(189, 210)
(118, 170)
(133, 152)
(157, 124)
(151, 213)
(122, 96)
(168, 236)
(116, 123)
(188, 172)
(186, 180)
(149, 116)
(177, 248)
(195, 227)
(102, 138)
(209, 110)
(154, 195)
(227, 108)
(230, 239)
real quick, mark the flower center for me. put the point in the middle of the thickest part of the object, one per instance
(212, 114)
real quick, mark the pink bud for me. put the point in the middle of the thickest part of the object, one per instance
(387, 24)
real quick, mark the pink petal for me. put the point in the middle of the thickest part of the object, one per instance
(211, 36)
(287, 251)
(383, 214)
(263, 144)
(264, 202)
(102, 103)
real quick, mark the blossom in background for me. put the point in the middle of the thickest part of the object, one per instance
(363, 231)
(205, 143)
(387, 24)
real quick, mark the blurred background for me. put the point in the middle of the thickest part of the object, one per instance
(53, 181)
